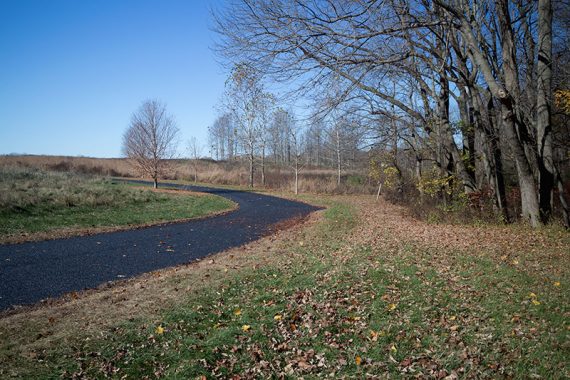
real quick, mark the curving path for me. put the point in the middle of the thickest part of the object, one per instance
(34, 271)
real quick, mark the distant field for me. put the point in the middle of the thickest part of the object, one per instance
(233, 172)
(34, 202)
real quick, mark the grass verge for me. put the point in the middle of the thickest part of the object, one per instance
(361, 292)
(37, 204)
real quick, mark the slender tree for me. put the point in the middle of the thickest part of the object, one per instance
(245, 98)
(194, 151)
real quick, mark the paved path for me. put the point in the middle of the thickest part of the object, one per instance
(33, 271)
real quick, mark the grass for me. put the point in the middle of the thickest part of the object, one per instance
(34, 201)
(233, 172)
(363, 292)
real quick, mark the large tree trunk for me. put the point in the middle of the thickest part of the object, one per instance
(447, 137)
(485, 116)
(529, 196)
(546, 168)
(515, 130)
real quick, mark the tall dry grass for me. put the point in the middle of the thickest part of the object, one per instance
(311, 180)
(113, 167)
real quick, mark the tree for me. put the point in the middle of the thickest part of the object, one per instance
(151, 139)
(194, 151)
(266, 106)
(466, 78)
(280, 136)
(222, 137)
(245, 97)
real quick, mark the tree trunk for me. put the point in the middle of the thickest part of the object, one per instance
(296, 178)
(447, 137)
(379, 190)
(155, 183)
(546, 168)
(563, 203)
(529, 196)
(251, 159)
(338, 157)
(515, 130)
(263, 166)
(492, 154)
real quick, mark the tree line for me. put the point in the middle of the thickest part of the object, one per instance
(252, 125)
(466, 94)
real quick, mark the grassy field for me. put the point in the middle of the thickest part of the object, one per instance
(234, 172)
(358, 291)
(36, 203)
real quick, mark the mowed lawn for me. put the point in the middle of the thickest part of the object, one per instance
(359, 291)
(36, 203)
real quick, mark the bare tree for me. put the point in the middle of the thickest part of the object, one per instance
(245, 97)
(297, 150)
(222, 137)
(151, 139)
(489, 62)
(280, 136)
(266, 106)
(195, 151)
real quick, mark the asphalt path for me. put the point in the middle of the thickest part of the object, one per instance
(34, 271)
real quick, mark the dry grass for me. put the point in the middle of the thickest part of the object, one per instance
(311, 180)
(114, 167)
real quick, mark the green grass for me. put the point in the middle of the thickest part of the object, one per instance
(33, 201)
(330, 307)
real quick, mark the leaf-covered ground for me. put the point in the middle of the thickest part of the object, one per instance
(361, 291)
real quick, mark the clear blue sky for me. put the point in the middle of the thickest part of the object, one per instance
(73, 71)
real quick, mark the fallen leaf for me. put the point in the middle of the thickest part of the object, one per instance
(278, 317)
(373, 335)
(358, 360)
(246, 328)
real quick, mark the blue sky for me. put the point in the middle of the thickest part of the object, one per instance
(73, 71)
